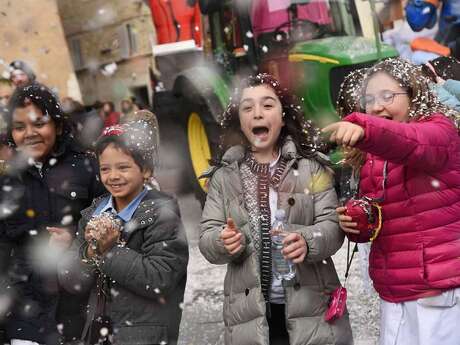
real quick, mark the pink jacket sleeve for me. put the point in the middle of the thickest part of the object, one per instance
(425, 144)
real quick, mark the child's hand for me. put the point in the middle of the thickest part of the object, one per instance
(344, 133)
(295, 247)
(108, 239)
(60, 238)
(231, 236)
(346, 222)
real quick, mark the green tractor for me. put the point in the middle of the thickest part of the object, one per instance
(310, 52)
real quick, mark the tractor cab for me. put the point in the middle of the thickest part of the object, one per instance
(309, 45)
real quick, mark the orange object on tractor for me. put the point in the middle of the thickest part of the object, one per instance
(176, 20)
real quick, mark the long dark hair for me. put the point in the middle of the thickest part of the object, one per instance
(45, 100)
(304, 134)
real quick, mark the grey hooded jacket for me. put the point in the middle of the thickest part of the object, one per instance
(306, 194)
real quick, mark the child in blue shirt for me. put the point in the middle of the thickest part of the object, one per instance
(131, 250)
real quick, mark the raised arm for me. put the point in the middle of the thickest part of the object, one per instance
(425, 144)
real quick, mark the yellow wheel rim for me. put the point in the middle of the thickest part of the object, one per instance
(198, 144)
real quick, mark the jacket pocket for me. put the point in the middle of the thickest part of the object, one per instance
(141, 334)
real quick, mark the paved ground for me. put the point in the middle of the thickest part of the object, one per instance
(202, 318)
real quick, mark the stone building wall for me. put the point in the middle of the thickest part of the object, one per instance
(31, 31)
(103, 34)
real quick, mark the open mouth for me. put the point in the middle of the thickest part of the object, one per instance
(387, 117)
(260, 130)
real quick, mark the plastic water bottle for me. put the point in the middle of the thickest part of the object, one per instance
(282, 268)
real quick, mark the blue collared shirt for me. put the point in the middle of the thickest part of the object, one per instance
(125, 214)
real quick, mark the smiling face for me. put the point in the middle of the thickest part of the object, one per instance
(121, 176)
(260, 114)
(33, 133)
(381, 85)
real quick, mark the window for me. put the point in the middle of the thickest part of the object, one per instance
(75, 51)
(132, 37)
(128, 40)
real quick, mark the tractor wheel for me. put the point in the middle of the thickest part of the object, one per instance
(202, 134)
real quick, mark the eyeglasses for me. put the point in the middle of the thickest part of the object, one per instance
(385, 97)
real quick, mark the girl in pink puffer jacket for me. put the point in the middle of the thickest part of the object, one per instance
(411, 141)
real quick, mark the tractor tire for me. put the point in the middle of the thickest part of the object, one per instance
(172, 171)
(202, 135)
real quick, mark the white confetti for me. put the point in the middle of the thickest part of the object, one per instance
(67, 219)
(60, 328)
(435, 183)
(114, 292)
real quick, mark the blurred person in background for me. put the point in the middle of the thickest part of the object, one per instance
(127, 109)
(21, 73)
(6, 89)
(87, 124)
(109, 115)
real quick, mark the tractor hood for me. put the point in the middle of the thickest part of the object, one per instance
(340, 50)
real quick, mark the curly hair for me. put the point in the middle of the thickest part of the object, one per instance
(350, 92)
(422, 102)
(304, 134)
(348, 102)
